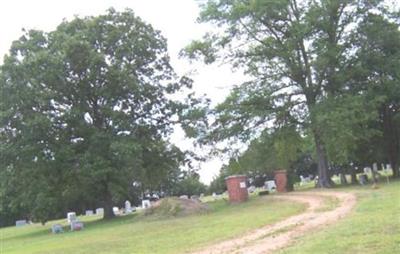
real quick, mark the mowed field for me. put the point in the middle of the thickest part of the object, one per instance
(372, 227)
(146, 234)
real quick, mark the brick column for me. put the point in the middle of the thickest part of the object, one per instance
(281, 180)
(237, 188)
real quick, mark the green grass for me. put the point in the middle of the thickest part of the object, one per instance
(373, 227)
(141, 234)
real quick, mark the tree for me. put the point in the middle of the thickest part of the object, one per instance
(294, 53)
(217, 185)
(85, 111)
(189, 185)
(377, 71)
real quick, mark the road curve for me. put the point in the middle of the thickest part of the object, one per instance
(278, 235)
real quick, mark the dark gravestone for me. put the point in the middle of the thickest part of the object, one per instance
(56, 229)
(363, 179)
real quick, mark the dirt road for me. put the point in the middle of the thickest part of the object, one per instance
(276, 236)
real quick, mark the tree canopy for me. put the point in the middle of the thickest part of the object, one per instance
(86, 110)
(297, 55)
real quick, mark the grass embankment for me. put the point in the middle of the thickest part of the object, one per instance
(373, 227)
(146, 234)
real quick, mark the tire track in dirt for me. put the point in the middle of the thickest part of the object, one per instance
(278, 235)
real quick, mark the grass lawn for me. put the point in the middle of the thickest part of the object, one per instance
(141, 234)
(373, 227)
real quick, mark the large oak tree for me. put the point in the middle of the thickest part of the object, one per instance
(85, 111)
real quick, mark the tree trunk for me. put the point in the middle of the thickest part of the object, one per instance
(392, 139)
(374, 172)
(324, 180)
(108, 205)
(343, 179)
(353, 175)
(395, 168)
(108, 211)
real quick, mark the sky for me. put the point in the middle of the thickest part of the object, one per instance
(176, 19)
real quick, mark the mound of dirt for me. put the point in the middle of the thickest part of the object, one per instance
(173, 207)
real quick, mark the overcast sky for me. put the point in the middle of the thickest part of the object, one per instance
(176, 19)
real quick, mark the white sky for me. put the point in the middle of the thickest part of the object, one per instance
(175, 18)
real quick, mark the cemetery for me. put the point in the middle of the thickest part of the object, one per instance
(215, 219)
(200, 127)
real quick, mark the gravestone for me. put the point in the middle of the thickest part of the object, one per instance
(270, 185)
(76, 226)
(195, 197)
(89, 212)
(20, 223)
(363, 179)
(184, 197)
(116, 210)
(251, 189)
(146, 203)
(56, 229)
(304, 180)
(367, 170)
(71, 217)
(128, 207)
(99, 211)
(216, 196)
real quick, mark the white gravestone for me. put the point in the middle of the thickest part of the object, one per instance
(20, 223)
(128, 207)
(88, 212)
(367, 170)
(99, 211)
(146, 203)
(271, 186)
(71, 217)
(116, 210)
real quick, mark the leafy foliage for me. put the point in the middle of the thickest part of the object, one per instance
(86, 110)
(189, 185)
(297, 55)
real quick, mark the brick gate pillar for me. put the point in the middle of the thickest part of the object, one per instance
(281, 180)
(237, 188)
